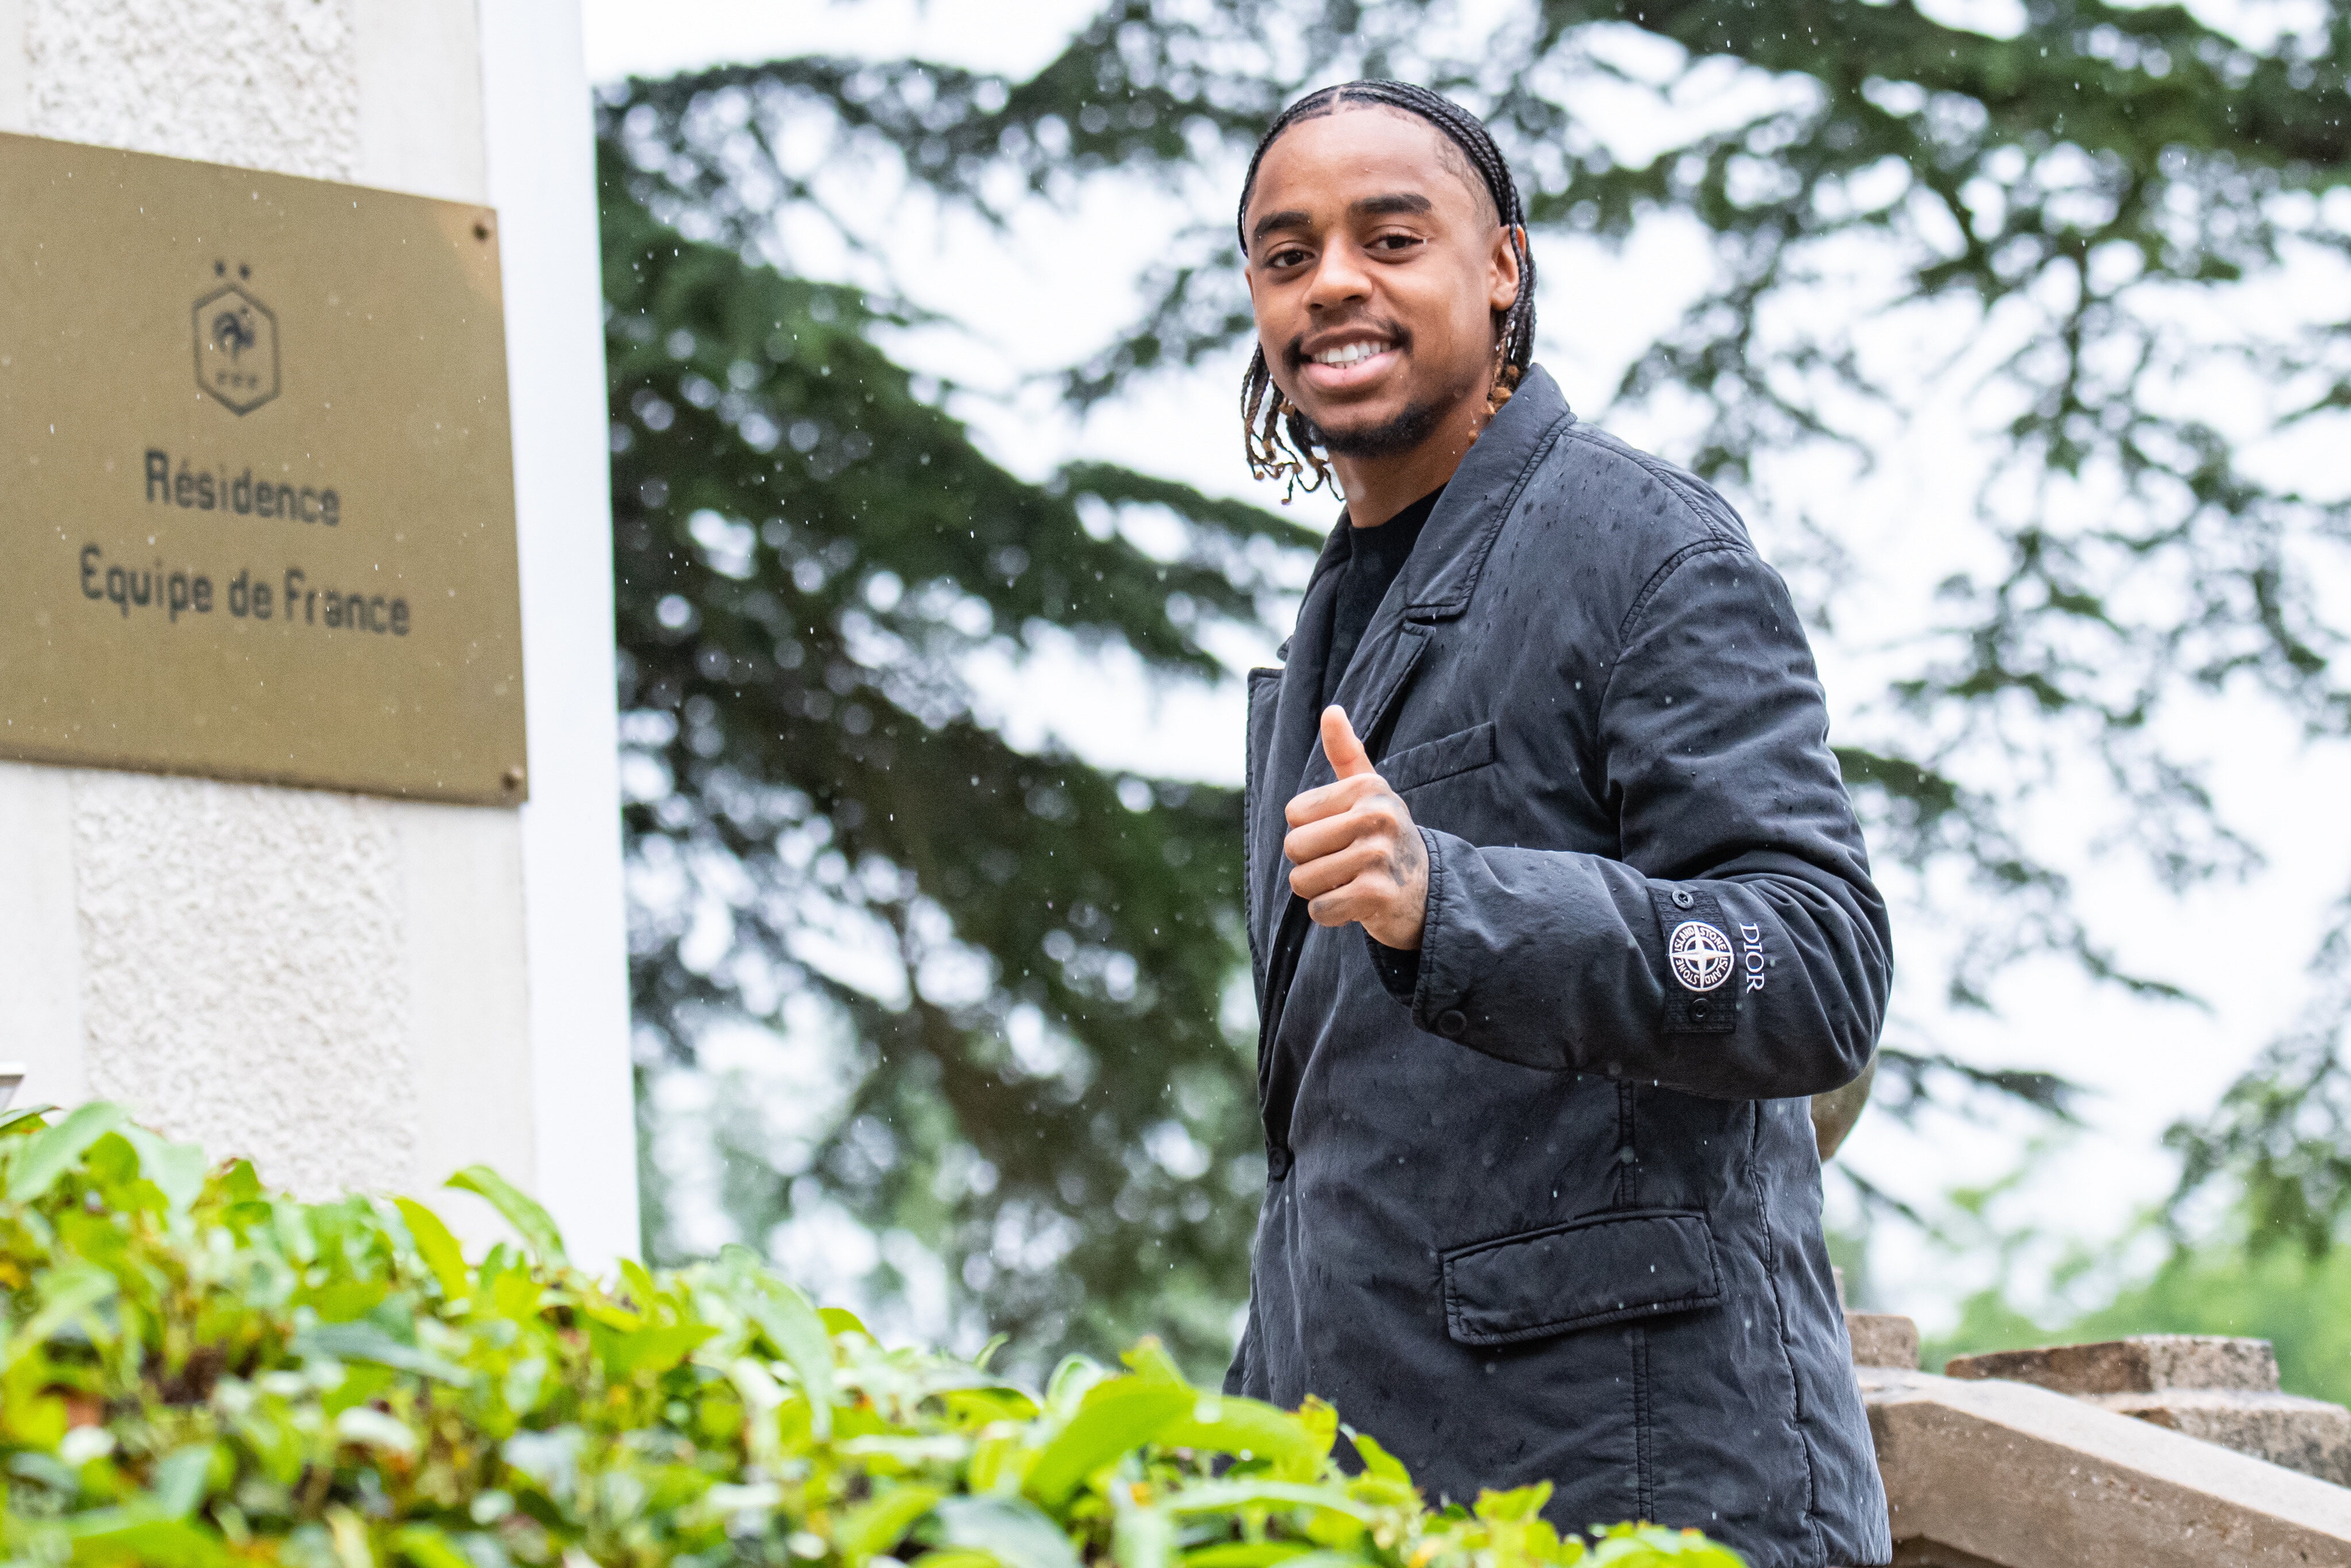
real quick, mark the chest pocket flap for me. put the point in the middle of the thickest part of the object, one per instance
(1599, 1270)
(1434, 759)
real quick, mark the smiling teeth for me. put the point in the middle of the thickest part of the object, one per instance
(1349, 354)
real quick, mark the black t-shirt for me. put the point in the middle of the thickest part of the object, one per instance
(1374, 556)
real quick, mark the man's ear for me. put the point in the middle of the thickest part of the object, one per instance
(1502, 270)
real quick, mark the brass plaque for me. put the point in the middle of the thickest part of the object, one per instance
(256, 493)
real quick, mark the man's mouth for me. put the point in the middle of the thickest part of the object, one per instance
(1351, 354)
(1349, 362)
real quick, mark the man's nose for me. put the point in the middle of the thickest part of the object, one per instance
(1340, 278)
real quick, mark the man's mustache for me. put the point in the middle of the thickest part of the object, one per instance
(1294, 354)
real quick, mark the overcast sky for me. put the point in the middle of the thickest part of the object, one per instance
(1060, 283)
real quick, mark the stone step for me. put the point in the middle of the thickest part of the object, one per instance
(2143, 1364)
(2220, 1389)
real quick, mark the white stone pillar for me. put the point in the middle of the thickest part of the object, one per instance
(358, 993)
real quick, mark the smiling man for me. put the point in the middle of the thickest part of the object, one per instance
(1558, 909)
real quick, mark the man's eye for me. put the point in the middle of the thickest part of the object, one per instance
(1288, 256)
(1395, 242)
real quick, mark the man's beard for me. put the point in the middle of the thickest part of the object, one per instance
(1415, 424)
(1411, 426)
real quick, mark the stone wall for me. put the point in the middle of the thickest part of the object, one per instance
(2039, 1459)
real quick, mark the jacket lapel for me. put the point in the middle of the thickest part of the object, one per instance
(1375, 678)
(1443, 570)
(1436, 585)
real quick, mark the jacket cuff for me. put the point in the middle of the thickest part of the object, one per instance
(1437, 1015)
(1702, 964)
(1397, 967)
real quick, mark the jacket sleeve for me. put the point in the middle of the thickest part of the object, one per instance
(1737, 948)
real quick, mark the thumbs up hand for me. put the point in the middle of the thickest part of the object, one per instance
(1356, 852)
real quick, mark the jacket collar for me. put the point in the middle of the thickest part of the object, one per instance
(1442, 573)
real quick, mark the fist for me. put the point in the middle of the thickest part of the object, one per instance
(1356, 852)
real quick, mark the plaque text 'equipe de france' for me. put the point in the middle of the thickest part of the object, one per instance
(257, 494)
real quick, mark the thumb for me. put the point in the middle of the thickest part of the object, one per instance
(1346, 753)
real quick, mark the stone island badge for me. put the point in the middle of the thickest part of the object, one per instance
(1700, 955)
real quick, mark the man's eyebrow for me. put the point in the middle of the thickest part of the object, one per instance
(1368, 207)
(1292, 219)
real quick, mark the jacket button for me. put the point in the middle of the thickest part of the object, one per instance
(1451, 1022)
(1682, 898)
(1699, 1010)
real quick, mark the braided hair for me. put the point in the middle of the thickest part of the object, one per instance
(1279, 440)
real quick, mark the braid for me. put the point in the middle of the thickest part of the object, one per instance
(1278, 441)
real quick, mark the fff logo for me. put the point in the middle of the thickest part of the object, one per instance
(236, 345)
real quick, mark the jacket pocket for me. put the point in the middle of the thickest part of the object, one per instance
(1598, 1270)
(1433, 759)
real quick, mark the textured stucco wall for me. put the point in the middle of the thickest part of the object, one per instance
(268, 84)
(332, 985)
(241, 974)
(13, 65)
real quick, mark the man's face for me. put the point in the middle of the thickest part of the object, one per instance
(1375, 265)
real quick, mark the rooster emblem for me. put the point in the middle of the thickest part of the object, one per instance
(236, 349)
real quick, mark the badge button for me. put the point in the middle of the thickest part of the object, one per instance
(1700, 955)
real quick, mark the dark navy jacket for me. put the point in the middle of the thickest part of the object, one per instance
(1558, 1217)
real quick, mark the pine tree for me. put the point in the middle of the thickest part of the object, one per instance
(805, 550)
(2064, 188)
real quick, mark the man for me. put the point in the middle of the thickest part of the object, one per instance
(1558, 909)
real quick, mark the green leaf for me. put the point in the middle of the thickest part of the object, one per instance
(1495, 1507)
(121, 1536)
(1222, 1497)
(374, 1430)
(365, 1342)
(42, 1158)
(529, 1221)
(11, 1121)
(1245, 1554)
(1149, 1358)
(427, 1547)
(654, 1349)
(841, 1320)
(179, 1484)
(438, 1248)
(1227, 1424)
(880, 1522)
(1115, 1419)
(177, 1169)
(1141, 1538)
(1011, 1531)
(797, 1331)
(1640, 1545)
(1071, 1381)
(1379, 1463)
(66, 1292)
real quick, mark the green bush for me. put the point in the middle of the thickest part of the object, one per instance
(200, 1372)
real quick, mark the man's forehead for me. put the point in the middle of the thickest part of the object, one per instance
(1364, 154)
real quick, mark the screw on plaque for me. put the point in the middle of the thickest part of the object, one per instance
(512, 778)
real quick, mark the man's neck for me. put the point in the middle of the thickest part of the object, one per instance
(1377, 488)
